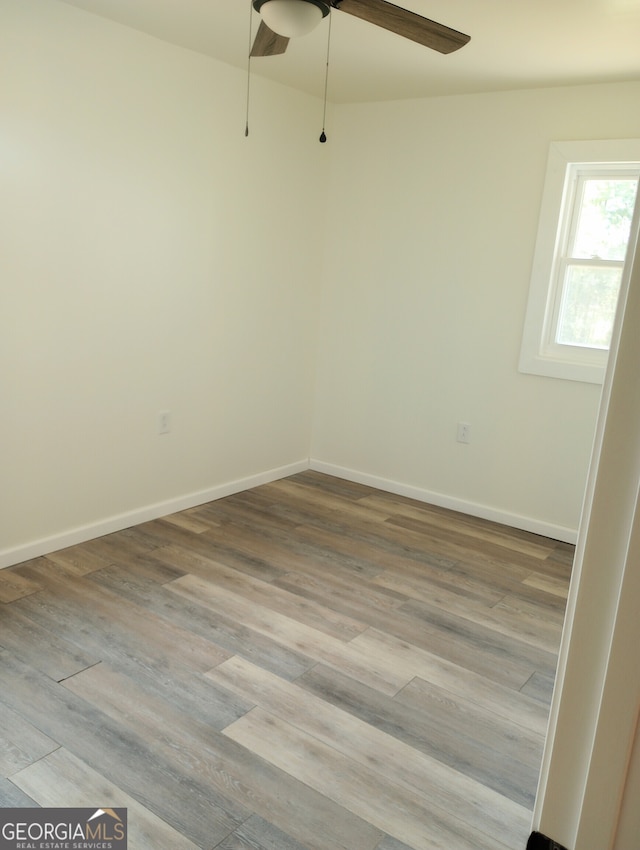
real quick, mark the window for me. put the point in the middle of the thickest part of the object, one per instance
(586, 224)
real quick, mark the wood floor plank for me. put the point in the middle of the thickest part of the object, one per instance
(465, 645)
(441, 786)
(534, 613)
(228, 634)
(396, 811)
(149, 567)
(332, 484)
(189, 521)
(229, 545)
(502, 755)
(115, 689)
(563, 553)
(539, 687)
(258, 834)
(489, 648)
(118, 546)
(162, 532)
(248, 548)
(399, 580)
(131, 761)
(11, 797)
(360, 663)
(252, 510)
(379, 543)
(469, 576)
(512, 618)
(311, 664)
(194, 748)
(491, 548)
(421, 585)
(462, 525)
(389, 843)
(62, 780)
(80, 559)
(312, 498)
(21, 743)
(268, 595)
(136, 629)
(549, 605)
(447, 546)
(12, 758)
(381, 546)
(341, 594)
(550, 584)
(42, 647)
(175, 682)
(412, 725)
(14, 586)
(493, 697)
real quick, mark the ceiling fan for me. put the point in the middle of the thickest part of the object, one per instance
(284, 19)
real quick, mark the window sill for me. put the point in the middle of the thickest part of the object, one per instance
(570, 370)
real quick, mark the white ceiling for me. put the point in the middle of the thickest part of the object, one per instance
(514, 44)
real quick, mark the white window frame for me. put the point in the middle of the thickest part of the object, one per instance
(540, 354)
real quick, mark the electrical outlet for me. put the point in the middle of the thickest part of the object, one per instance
(464, 432)
(164, 422)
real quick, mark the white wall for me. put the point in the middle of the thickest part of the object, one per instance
(435, 206)
(152, 258)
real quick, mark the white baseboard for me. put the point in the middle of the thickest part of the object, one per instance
(546, 529)
(80, 534)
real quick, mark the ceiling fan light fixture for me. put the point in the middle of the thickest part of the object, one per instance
(291, 18)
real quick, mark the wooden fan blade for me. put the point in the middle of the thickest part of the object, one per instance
(405, 23)
(268, 43)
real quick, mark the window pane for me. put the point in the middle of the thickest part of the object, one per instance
(588, 309)
(604, 219)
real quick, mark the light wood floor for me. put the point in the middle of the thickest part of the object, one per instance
(311, 665)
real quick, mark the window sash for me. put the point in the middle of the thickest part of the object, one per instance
(597, 313)
(569, 170)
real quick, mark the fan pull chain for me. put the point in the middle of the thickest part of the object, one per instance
(246, 129)
(323, 135)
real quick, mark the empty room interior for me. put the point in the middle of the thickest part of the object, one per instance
(287, 530)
